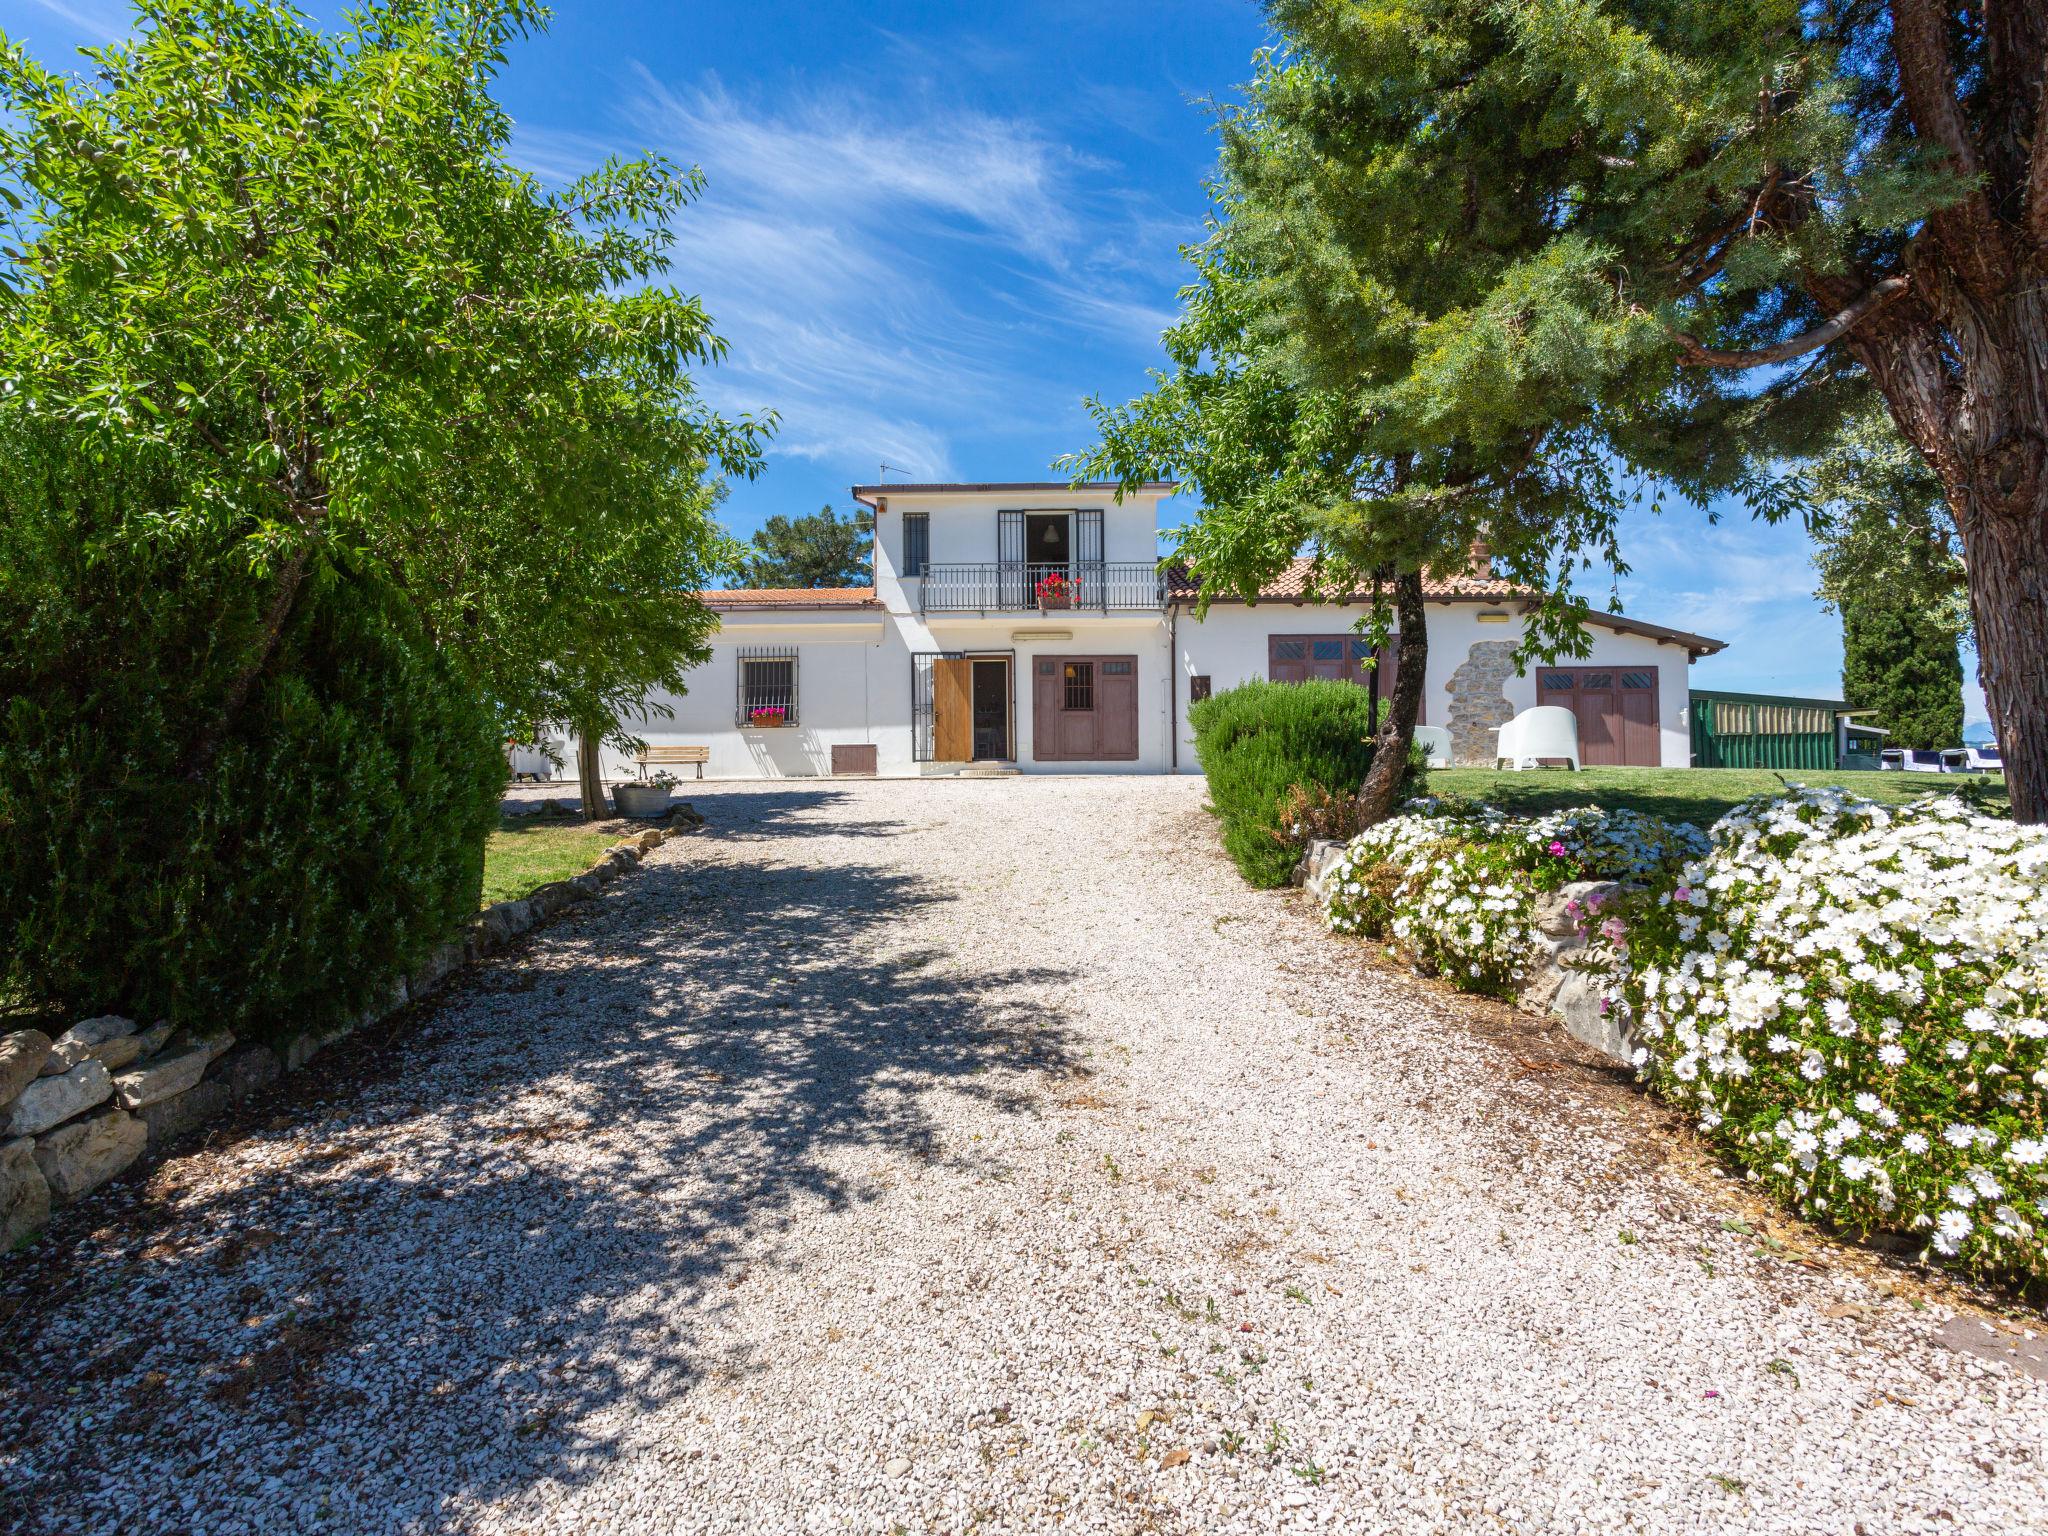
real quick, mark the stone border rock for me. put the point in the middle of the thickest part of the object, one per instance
(79, 1109)
(1557, 988)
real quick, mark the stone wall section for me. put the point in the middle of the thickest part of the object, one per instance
(79, 1109)
(1479, 701)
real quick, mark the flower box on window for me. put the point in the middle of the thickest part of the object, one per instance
(1055, 593)
(768, 717)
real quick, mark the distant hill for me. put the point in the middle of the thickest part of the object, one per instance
(1978, 730)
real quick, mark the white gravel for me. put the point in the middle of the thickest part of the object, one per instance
(974, 1155)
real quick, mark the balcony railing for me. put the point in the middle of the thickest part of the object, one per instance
(1064, 587)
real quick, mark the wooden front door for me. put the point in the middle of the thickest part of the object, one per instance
(952, 709)
(1616, 708)
(1084, 709)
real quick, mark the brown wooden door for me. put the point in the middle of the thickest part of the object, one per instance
(952, 709)
(1084, 709)
(1297, 658)
(1616, 709)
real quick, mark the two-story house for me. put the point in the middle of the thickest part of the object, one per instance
(1029, 625)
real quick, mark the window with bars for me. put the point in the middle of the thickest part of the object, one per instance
(1080, 685)
(1198, 687)
(767, 688)
(917, 542)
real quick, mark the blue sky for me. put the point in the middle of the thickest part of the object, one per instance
(931, 229)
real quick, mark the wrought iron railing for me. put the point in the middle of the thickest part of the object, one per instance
(1034, 586)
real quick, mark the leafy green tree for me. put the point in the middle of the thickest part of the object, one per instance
(1899, 660)
(819, 550)
(1493, 269)
(1879, 521)
(294, 275)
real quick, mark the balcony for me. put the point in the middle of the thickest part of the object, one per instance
(1063, 587)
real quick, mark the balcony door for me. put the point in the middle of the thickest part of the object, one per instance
(1065, 546)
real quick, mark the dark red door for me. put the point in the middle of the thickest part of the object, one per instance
(1297, 658)
(1616, 709)
(1084, 709)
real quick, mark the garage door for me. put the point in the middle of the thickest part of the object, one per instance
(1616, 710)
(1297, 658)
(1084, 709)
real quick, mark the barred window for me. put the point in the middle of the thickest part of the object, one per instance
(1557, 682)
(767, 688)
(1638, 679)
(1080, 685)
(1290, 650)
(917, 542)
(1198, 687)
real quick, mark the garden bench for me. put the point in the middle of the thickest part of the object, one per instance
(659, 757)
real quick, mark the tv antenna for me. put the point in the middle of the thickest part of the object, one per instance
(888, 469)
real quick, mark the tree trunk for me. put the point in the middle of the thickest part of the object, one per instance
(2004, 524)
(590, 773)
(1396, 734)
(1983, 426)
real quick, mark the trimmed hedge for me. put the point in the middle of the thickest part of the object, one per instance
(336, 837)
(1258, 743)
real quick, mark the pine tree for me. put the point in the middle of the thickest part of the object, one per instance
(1899, 659)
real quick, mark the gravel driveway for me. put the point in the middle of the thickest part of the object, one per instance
(973, 1155)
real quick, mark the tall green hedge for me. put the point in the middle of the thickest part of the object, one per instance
(1258, 741)
(335, 837)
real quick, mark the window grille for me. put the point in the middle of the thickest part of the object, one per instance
(1080, 685)
(766, 687)
(917, 542)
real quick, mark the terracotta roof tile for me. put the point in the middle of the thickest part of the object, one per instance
(1292, 584)
(791, 597)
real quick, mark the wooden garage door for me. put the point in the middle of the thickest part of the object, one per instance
(1297, 658)
(1616, 709)
(1084, 709)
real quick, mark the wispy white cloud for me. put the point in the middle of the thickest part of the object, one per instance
(101, 20)
(895, 272)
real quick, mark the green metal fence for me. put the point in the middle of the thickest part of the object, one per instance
(1757, 730)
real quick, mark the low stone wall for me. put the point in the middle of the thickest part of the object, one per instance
(79, 1109)
(1556, 986)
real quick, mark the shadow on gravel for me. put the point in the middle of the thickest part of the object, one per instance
(472, 1270)
(747, 815)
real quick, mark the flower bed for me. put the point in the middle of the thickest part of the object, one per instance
(1854, 1002)
(1852, 999)
(1457, 885)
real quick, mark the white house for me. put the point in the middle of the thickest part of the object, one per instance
(1028, 624)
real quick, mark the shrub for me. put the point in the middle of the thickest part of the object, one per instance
(1853, 1001)
(1260, 742)
(335, 837)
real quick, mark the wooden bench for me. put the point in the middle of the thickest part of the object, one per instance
(661, 757)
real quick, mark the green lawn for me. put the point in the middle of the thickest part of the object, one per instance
(1680, 794)
(527, 851)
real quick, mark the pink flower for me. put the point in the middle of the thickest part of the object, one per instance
(1556, 848)
(1683, 893)
(1613, 929)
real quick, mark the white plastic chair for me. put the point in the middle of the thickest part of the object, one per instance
(1546, 731)
(1437, 741)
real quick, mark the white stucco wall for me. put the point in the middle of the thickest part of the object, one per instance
(1229, 646)
(854, 679)
(963, 530)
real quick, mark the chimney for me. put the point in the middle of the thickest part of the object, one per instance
(1479, 562)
